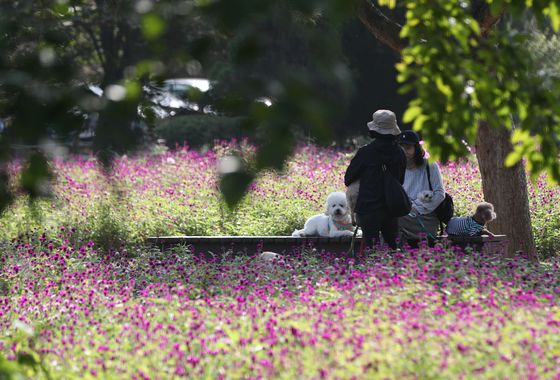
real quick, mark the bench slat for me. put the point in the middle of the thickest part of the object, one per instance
(280, 244)
(249, 244)
(485, 243)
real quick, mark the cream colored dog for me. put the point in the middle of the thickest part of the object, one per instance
(352, 192)
(335, 222)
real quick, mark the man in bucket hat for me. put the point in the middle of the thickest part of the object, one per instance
(384, 122)
(366, 166)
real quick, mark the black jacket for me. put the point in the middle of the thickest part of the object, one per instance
(366, 167)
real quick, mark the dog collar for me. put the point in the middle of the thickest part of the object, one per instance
(340, 226)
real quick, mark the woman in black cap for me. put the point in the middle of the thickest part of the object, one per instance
(421, 221)
(366, 166)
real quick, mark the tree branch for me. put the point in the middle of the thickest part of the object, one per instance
(78, 21)
(486, 20)
(382, 27)
(387, 31)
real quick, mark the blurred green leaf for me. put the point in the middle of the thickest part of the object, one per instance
(153, 26)
(36, 176)
(412, 113)
(388, 3)
(553, 11)
(26, 359)
(513, 158)
(9, 369)
(133, 90)
(233, 186)
(6, 196)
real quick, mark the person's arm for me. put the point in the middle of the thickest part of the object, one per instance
(354, 170)
(403, 166)
(485, 231)
(438, 190)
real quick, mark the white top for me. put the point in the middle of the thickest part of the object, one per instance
(416, 181)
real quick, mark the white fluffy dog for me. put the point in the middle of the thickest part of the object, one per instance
(425, 196)
(334, 222)
(352, 192)
(269, 259)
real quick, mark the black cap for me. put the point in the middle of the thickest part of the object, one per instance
(408, 137)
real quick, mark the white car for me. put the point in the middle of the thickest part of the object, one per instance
(171, 96)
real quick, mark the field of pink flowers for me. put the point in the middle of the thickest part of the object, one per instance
(70, 308)
(67, 311)
(175, 192)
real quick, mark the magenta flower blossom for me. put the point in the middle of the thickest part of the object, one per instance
(134, 312)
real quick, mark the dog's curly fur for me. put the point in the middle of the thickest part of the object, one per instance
(425, 196)
(485, 212)
(352, 192)
(336, 214)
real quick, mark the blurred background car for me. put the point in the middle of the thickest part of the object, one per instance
(178, 96)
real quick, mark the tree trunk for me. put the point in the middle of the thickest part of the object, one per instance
(506, 189)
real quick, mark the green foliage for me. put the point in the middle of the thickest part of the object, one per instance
(28, 364)
(460, 72)
(200, 130)
(544, 46)
(176, 193)
(462, 76)
(123, 45)
(36, 177)
(109, 226)
(10, 370)
(289, 52)
(234, 186)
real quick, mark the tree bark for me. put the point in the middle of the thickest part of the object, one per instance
(506, 189)
(387, 30)
(382, 27)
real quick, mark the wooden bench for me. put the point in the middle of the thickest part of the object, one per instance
(250, 245)
(488, 244)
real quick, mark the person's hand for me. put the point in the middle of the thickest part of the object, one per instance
(486, 232)
(413, 212)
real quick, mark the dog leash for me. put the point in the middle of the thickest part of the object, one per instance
(351, 252)
(424, 227)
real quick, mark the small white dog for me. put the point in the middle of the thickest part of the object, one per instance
(352, 192)
(335, 222)
(425, 196)
(269, 257)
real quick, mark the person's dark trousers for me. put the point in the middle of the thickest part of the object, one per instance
(372, 223)
(414, 243)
